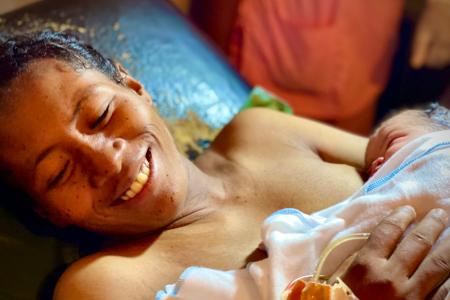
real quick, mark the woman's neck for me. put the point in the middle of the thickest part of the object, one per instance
(205, 195)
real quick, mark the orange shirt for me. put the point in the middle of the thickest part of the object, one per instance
(330, 59)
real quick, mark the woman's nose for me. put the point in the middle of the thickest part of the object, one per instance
(106, 161)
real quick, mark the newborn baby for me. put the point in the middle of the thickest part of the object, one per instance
(396, 132)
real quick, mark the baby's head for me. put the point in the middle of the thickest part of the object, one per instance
(83, 139)
(396, 132)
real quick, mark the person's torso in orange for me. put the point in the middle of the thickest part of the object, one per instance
(330, 59)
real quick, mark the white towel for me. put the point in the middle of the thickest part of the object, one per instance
(417, 175)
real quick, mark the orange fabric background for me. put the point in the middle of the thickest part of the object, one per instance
(330, 59)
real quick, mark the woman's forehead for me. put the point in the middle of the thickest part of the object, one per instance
(45, 76)
(41, 95)
(52, 84)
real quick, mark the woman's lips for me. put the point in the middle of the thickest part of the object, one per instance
(139, 181)
(140, 184)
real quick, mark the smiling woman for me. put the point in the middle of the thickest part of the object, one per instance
(86, 142)
(31, 254)
(98, 138)
(101, 136)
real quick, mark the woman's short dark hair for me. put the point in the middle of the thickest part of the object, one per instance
(16, 52)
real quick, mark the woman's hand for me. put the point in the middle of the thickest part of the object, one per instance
(389, 267)
(431, 46)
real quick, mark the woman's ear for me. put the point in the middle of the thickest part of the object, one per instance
(132, 83)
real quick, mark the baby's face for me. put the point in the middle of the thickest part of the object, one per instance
(392, 135)
(77, 142)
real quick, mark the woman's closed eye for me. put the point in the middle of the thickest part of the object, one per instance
(53, 181)
(103, 118)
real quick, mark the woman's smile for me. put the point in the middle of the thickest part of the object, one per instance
(97, 154)
(138, 188)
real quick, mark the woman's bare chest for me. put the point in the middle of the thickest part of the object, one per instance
(302, 182)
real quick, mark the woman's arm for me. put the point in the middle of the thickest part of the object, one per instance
(331, 144)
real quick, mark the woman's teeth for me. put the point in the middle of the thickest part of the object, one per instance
(138, 182)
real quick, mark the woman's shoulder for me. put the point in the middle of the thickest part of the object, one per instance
(118, 273)
(256, 125)
(128, 269)
(98, 277)
(258, 115)
(263, 133)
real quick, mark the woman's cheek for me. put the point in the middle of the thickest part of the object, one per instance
(72, 205)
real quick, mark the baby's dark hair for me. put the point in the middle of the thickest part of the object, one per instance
(18, 51)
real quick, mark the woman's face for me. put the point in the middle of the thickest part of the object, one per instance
(78, 143)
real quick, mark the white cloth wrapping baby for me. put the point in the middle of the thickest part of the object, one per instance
(417, 175)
